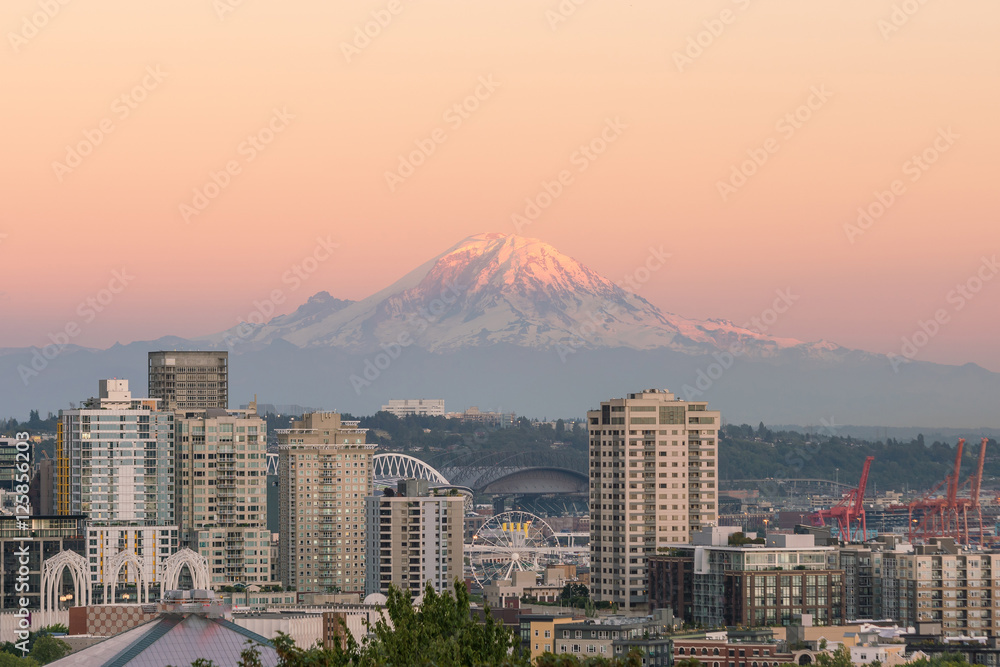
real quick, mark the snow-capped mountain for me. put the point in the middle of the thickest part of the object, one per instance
(509, 322)
(498, 288)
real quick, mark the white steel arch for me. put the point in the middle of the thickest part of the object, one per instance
(52, 572)
(272, 464)
(114, 566)
(392, 467)
(170, 570)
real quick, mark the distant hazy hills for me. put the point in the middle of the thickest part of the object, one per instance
(506, 322)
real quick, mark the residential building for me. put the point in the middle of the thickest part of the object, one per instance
(221, 474)
(189, 380)
(538, 632)
(864, 578)
(652, 483)
(44, 537)
(414, 538)
(615, 638)
(427, 407)
(749, 585)
(325, 473)
(939, 583)
(930, 639)
(115, 460)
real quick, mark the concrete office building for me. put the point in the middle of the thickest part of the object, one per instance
(115, 460)
(221, 481)
(401, 407)
(325, 473)
(189, 380)
(414, 538)
(652, 483)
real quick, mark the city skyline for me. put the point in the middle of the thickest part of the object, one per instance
(848, 107)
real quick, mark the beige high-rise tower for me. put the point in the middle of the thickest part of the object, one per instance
(653, 483)
(189, 380)
(221, 499)
(325, 474)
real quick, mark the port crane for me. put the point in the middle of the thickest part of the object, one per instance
(850, 510)
(947, 515)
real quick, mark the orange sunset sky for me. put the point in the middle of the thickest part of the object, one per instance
(695, 88)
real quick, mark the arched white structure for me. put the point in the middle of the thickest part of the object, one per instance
(170, 570)
(52, 573)
(114, 566)
(392, 467)
(272, 464)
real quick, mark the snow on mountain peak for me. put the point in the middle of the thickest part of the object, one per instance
(503, 288)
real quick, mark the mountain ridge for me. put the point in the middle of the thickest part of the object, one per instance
(505, 320)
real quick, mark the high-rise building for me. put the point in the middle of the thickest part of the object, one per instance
(401, 407)
(10, 456)
(189, 380)
(221, 499)
(325, 473)
(115, 460)
(414, 538)
(652, 484)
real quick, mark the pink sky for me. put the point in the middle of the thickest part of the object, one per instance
(656, 185)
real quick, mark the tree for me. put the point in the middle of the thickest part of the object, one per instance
(688, 662)
(841, 657)
(441, 632)
(12, 660)
(250, 656)
(48, 649)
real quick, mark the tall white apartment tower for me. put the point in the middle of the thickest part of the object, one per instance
(115, 459)
(652, 484)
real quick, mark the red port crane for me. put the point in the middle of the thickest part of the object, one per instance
(948, 516)
(850, 509)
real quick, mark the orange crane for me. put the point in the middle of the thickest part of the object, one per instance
(849, 510)
(948, 516)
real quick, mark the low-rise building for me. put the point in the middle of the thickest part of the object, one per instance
(714, 583)
(615, 637)
(727, 653)
(538, 631)
(403, 407)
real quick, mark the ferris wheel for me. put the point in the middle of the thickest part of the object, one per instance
(511, 542)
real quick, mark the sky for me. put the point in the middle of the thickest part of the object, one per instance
(169, 165)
